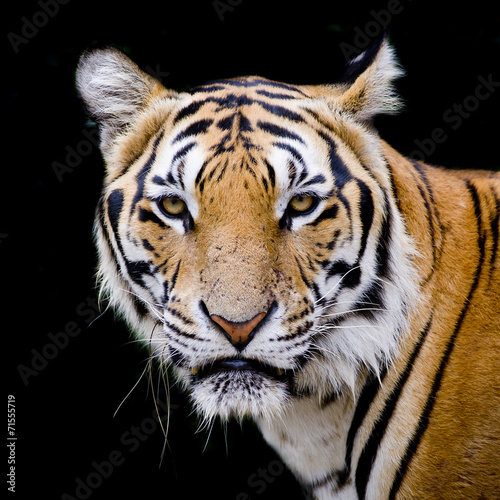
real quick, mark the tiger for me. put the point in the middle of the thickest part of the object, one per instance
(290, 266)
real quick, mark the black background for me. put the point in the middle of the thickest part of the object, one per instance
(65, 405)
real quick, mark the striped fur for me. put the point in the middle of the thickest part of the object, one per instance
(374, 371)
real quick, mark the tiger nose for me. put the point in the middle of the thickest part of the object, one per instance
(239, 333)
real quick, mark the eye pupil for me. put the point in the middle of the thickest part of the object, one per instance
(172, 206)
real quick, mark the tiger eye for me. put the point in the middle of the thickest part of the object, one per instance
(172, 206)
(302, 203)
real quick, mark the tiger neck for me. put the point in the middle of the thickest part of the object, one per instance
(316, 440)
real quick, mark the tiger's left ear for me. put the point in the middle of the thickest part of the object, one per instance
(365, 89)
(116, 93)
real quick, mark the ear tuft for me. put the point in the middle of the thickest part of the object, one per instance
(113, 89)
(368, 82)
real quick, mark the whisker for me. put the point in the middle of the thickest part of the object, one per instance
(342, 302)
(130, 392)
(337, 327)
(150, 304)
(337, 284)
(350, 311)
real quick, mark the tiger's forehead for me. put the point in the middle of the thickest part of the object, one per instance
(236, 111)
(246, 130)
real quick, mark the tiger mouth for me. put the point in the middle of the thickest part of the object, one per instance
(228, 365)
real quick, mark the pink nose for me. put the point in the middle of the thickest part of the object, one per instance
(239, 334)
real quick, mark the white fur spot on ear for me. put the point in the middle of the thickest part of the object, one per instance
(113, 88)
(373, 92)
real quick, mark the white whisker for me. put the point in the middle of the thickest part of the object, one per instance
(336, 284)
(151, 305)
(350, 311)
(342, 302)
(130, 392)
(339, 327)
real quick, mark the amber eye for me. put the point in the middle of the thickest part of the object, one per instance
(172, 206)
(302, 204)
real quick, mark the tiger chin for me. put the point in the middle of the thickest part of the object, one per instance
(263, 240)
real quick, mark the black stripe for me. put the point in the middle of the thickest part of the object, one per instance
(166, 294)
(271, 173)
(179, 315)
(171, 179)
(245, 83)
(432, 213)
(206, 88)
(329, 213)
(365, 400)
(226, 123)
(273, 95)
(189, 110)
(423, 422)
(317, 179)
(374, 293)
(158, 180)
(176, 274)
(233, 101)
(341, 173)
(223, 170)
(277, 85)
(350, 274)
(281, 111)
(115, 206)
(369, 453)
(183, 151)
(182, 333)
(495, 228)
(147, 245)
(176, 357)
(135, 269)
(148, 216)
(141, 175)
(139, 307)
(200, 173)
(302, 275)
(278, 131)
(384, 244)
(367, 210)
(481, 237)
(296, 155)
(336, 477)
(196, 128)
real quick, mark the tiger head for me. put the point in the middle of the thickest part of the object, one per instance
(247, 229)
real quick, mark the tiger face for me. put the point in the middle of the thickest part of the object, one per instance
(244, 230)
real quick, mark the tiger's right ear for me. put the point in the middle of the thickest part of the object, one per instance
(366, 88)
(115, 91)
